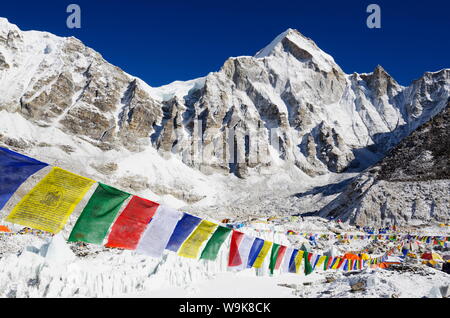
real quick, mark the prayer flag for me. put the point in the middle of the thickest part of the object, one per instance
(93, 224)
(292, 267)
(273, 256)
(308, 267)
(336, 262)
(327, 262)
(184, 228)
(234, 259)
(286, 260)
(254, 251)
(191, 247)
(298, 260)
(215, 242)
(244, 251)
(281, 252)
(320, 261)
(345, 264)
(131, 223)
(262, 254)
(158, 232)
(50, 203)
(15, 169)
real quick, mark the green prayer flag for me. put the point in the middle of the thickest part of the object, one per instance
(308, 267)
(325, 264)
(98, 215)
(215, 242)
(273, 257)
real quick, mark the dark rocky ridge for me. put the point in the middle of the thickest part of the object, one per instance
(424, 155)
(411, 184)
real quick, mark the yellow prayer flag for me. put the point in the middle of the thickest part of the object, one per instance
(321, 260)
(298, 260)
(335, 265)
(49, 204)
(191, 247)
(262, 254)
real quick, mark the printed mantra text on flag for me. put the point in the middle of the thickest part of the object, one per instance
(49, 204)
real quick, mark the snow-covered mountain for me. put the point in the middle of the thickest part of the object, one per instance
(282, 120)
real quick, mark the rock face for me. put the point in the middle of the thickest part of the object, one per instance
(410, 185)
(290, 102)
(60, 82)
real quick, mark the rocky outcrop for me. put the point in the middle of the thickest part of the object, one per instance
(410, 185)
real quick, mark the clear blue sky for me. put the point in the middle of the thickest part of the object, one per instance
(163, 41)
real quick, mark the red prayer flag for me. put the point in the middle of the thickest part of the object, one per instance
(330, 260)
(132, 222)
(234, 259)
(280, 256)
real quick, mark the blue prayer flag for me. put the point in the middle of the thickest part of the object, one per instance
(183, 229)
(15, 169)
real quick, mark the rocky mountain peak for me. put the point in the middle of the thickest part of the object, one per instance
(381, 82)
(304, 49)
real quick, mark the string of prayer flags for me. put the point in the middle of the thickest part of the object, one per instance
(184, 228)
(191, 247)
(50, 203)
(149, 228)
(158, 232)
(131, 223)
(212, 247)
(15, 169)
(94, 222)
